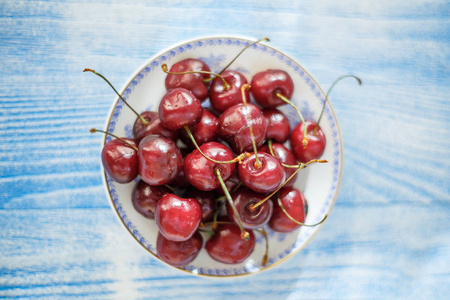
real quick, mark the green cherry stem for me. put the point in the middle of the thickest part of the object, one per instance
(244, 234)
(93, 130)
(144, 121)
(328, 92)
(244, 88)
(305, 133)
(294, 220)
(225, 83)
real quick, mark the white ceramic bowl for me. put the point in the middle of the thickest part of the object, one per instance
(319, 182)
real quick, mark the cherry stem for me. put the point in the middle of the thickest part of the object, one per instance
(266, 254)
(239, 54)
(299, 167)
(294, 220)
(237, 159)
(269, 144)
(326, 97)
(244, 234)
(144, 121)
(225, 83)
(93, 130)
(244, 88)
(305, 133)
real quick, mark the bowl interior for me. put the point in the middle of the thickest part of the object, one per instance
(319, 182)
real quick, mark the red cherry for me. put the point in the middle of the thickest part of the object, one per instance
(193, 82)
(201, 172)
(207, 200)
(178, 108)
(154, 126)
(294, 202)
(264, 179)
(234, 127)
(278, 128)
(120, 161)
(144, 198)
(285, 156)
(227, 246)
(160, 160)
(250, 218)
(266, 84)
(178, 218)
(179, 254)
(221, 98)
(203, 132)
(316, 143)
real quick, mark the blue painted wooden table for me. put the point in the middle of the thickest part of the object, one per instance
(388, 234)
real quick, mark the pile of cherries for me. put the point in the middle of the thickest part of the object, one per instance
(227, 170)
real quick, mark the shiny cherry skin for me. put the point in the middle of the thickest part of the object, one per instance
(181, 181)
(201, 172)
(179, 254)
(265, 179)
(266, 84)
(207, 200)
(316, 144)
(227, 246)
(234, 127)
(250, 218)
(193, 81)
(178, 108)
(160, 160)
(144, 198)
(178, 218)
(120, 161)
(154, 126)
(278, 127)
(294, 202)
(203, 132)
(222, 99)
(285, 156)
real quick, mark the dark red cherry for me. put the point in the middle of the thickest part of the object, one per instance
(250, 218)
(316, 143)
(160, 160)
(231, 184)
(178, 108)
(278, 128)
(234, 127)
(203, 132)
(154, 126)
(227, 246)
(266, 84)
(192, 81)
(207, 200)
(178, 218)
(201, 172)
(144, 198)
(294, 202)
(221, 99)
(179, 254)
(181, 181)
(264, 179)
(120, 161)
(285, 156)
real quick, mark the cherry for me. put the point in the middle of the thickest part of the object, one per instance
(179, 108)
(234, 127)
(154, 126)
(144, 198)
(179, 254)
(285, 156)
(316, 142)
(278, 128)
(207, 200)
(178, 218)
(266, 85)
(160, 160)
(250, 218)
(181, 181)
(201, 172)
(203, 132)
(263, 179)
(222, 98)
(193, 82)
(294, 202)
(227, 246)
(120, 158)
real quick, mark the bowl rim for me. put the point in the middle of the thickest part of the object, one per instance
(246, 39)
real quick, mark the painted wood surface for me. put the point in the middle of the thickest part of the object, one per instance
(388, 234)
